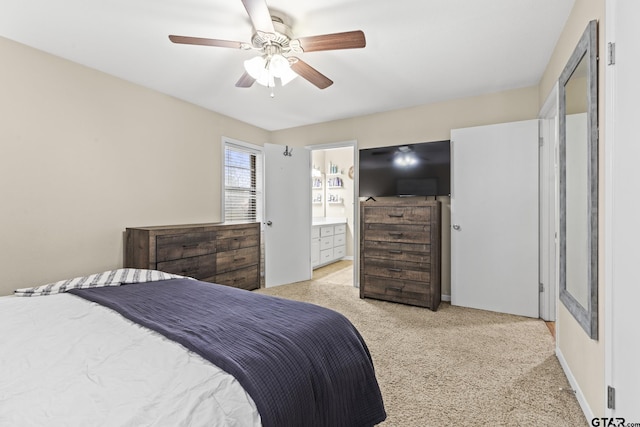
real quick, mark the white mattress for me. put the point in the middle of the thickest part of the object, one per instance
(67, 361)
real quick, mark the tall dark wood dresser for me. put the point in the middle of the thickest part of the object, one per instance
(400, 251)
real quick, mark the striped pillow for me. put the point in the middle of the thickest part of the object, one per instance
(106, 278)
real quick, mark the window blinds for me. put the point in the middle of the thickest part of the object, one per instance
(242, 184)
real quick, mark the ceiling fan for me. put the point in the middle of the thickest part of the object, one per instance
(277, 47)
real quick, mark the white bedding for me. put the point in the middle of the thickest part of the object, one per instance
(67, 361)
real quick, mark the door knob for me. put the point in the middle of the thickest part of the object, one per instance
(269, 223)
(456, 227)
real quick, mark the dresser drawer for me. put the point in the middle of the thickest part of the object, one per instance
(405, 290)
(420, 253)
(198, 267)
(397, 215)
(339, 229)
(339, 252)
(397, 233)
(244, 278)
(338, 240)
(236, 259)
(397, 269)
(237, 243)
(234, 231)
(176, 246)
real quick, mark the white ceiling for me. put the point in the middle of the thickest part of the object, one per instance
(418, 51)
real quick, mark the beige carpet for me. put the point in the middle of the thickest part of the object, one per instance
(454, 367)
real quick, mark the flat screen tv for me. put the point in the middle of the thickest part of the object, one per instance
(420, 169)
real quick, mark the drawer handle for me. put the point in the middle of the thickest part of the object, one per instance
(395, 270)
(395, 234)
(391, 288)
(240, 259)
(395, 252)
(191, 245)
(396, 215)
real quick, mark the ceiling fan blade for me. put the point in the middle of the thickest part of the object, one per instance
(347, 40)
(245, 81)
(259, 15)
(205, 42)
(309, 73)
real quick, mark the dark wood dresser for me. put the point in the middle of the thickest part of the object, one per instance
(400, 251)
(228, 254)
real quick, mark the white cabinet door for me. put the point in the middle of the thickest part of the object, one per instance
(315, 252)
(287, 215)
(494, 216)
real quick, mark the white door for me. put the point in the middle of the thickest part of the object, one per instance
(494, 217)
(622, 231)
(287, 215)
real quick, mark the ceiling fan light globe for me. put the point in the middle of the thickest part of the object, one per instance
(287, 76)
(255, 66)
(266, 79)
(278, 65)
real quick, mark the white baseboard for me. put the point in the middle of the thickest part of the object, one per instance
(586, 410)
(348, 258)
(445, 298)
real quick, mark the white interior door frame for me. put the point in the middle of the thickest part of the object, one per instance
(608, 224)
(549, 218)
(622, 231)
(356, 203)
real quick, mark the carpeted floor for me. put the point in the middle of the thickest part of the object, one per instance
(456, 366)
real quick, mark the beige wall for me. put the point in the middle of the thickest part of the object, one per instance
(585, 357)
(431, 122)
(84, 155)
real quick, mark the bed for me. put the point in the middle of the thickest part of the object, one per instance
(136, 347)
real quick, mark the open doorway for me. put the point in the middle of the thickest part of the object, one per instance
(333, 204)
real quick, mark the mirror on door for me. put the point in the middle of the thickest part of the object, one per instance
(578, 181)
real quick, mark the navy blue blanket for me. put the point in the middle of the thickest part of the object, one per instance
(303, 365)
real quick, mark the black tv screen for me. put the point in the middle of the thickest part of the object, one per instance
(421, 169)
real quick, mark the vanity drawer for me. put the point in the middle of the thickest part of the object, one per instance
(339, 229)
(326, 243)
(326, 231)
(326, 256)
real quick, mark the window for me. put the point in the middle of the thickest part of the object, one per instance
(242, 182)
